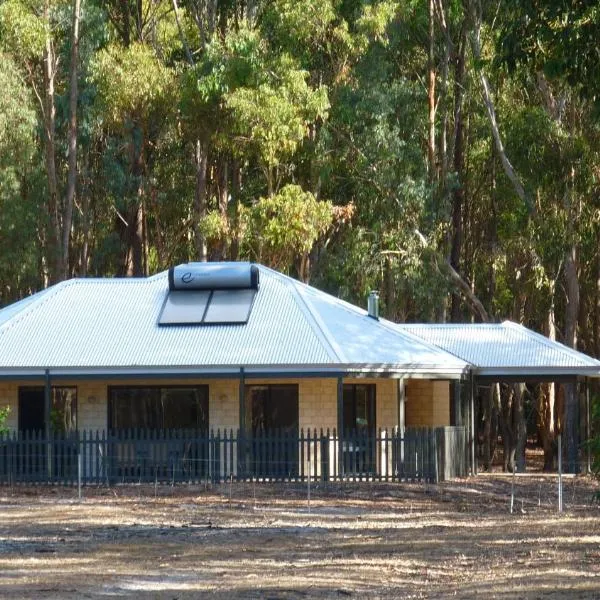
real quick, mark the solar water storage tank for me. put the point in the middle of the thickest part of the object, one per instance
(210, 294)
(213, 276)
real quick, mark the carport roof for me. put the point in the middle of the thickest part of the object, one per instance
(506, 350)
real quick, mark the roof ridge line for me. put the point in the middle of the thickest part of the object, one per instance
(548, 343)
(398, 328)
(331, 346)
(46, 294)
(356, 310)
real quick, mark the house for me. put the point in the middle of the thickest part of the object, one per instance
(232, 348)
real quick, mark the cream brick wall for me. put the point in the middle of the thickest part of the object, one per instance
(223, 404)
(427, 403)
(318, 404)
(317, 400)
(91, 405)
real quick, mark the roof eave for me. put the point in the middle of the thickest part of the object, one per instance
(547, 373)
(235, 371)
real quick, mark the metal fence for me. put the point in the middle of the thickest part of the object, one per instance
(174, 456)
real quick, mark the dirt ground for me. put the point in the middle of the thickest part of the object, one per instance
(369, 540)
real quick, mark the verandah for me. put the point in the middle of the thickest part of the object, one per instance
(191, 456)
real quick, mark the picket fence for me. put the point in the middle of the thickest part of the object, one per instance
(177, 456)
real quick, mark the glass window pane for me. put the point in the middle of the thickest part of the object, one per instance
(63, 414)
(230, 306)
(359, 408)
(349, 420)
(184, 307)
(184, 408)
(159, 408)
(272, 407)
(63, 409)
(134, 408)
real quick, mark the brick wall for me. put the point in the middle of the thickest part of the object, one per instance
(427, 403)
(317, 400)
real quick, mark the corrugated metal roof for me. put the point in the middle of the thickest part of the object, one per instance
(356, 335)
(111, 325)
(505, 348)
(11, 310)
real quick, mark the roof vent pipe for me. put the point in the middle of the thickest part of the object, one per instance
(373, 305)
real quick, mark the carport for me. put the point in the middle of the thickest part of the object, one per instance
(508, 353)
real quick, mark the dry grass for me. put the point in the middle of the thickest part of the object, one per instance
(362, 540)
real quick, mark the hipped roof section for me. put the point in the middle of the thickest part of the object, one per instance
(506, 350)
(110, 327)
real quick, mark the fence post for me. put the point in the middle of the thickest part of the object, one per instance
(79, 469)
(325, 456)
(560, 483)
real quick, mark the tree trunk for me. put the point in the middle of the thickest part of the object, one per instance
(489, 105)
(547, 402)
(458, 194)
(546, 423)
(53, 240)
(85, 248)
(597, 306)
(443, 102)
(520, 426)
(236, 190)
(487, 428)
(201, 162)
(431, 94)
(134, 261)
(72, 174)
(508, 438)
(223, 197)
(571, 399)
(134, 230)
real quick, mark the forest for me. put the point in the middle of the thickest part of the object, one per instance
(443, 152)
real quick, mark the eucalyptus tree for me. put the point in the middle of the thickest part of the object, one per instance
(135, 96)
(19, 174)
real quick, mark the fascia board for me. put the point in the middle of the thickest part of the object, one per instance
(553, 344)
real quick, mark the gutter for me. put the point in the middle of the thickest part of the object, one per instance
(250, 372)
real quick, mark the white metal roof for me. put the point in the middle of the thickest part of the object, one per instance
(110, 326)
(505, 349)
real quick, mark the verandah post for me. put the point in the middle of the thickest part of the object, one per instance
(242, 430)
(340, 423)
(472, 424)
(401, 419)
(47, 428)
(588, 435)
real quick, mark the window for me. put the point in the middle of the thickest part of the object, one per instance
(153, 407)
(358, 445)
(359, 409)
(272, 424)
(271, 407)
(63, 409)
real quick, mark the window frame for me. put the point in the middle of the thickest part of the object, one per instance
(249, 408)
(42, 389)
(371, 390)
(112, 388)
